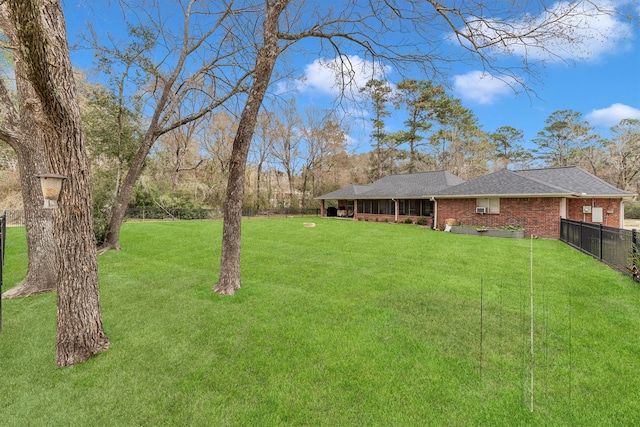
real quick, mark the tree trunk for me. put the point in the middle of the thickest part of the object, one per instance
(27, 144)
(122, 200)
(42, 47)
(41, 272)
(229, 281)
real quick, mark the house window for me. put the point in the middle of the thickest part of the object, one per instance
(386, 207)
(427, 207)
(491, 203)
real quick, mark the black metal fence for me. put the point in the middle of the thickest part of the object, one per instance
(144, 214)
(14, 218)
(617, 247)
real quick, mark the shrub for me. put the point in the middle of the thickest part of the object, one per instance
(632, 210)
(512, 228)
(408, 221)
(421, 221)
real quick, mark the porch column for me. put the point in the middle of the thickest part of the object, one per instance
(322, 208)
(396, 208)
(435, 214)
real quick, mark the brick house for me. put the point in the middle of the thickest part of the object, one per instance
(533, 200)
(393, 198)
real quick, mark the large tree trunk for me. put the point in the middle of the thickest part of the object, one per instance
(229, 281)
(42, 47)
(25, 137)
(41, 272)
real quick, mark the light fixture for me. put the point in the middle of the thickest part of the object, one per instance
(51, 185)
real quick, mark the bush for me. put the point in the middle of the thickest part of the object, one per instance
(408, 221)
(511, 228)
(632, 210)
(101, 226)
(421, 221)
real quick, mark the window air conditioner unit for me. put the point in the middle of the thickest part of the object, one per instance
(481, 210)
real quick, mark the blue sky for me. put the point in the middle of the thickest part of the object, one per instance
(599, 79)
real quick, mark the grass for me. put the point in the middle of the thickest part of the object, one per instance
(346, 323)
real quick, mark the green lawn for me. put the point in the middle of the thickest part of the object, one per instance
(344, 324)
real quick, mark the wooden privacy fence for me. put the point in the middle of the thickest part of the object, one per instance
(616, 247)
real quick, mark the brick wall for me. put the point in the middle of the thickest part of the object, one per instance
(539, 216)
(610, 207)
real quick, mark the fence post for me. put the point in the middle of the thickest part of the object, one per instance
(600, 241)
(580, 236)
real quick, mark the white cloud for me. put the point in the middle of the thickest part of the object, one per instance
(342, 74)
(481, 87)
(612, 115)
(565, 31)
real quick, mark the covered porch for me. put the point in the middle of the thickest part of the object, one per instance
(382, 210)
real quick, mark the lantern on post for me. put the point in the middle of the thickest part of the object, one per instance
(51, 185)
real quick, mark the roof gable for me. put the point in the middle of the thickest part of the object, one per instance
(565, 181)
(411, 185)
(575, 180)
(501, 183)
(350, 192)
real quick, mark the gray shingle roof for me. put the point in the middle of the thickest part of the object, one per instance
(566, 181)
(350, 192)
(558, 182)
(575, 180)
(411, 185)
(502, 182)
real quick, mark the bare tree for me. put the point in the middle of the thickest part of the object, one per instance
(36, 29)
(264, 139)
(623, 155)
(172, 84)
(323, 138)
(286, 145)
(217, 144)
(183, 152)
